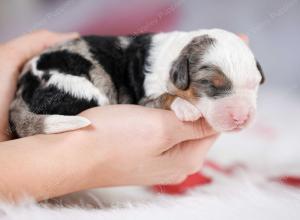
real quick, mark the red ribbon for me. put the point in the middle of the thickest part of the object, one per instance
(199, 179)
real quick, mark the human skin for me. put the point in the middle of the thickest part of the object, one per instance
(125, 145)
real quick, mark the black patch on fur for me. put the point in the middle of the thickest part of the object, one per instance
(136, 62)
(263, 79)
(46, 76)
(65, 62)
(51, 100)
(12, 129)
(125, 66)
(30, 83)
(108, 53)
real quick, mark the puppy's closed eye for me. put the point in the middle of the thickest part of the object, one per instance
(212, 82)
(205, 67)
(204, 82)
(215, 83)
(218, 81)
(212, 76)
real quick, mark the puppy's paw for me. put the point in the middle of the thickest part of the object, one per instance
(184, 110)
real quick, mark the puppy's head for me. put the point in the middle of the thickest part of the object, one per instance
(218, 73)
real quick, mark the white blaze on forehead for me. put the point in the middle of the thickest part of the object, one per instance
(165, 49)
(233, 57)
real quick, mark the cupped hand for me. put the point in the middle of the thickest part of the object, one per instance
(135, 145)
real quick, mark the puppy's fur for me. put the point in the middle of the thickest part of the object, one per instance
(209, 73)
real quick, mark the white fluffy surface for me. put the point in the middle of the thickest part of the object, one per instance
(269, 149)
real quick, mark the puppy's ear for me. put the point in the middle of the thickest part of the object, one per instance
(263, 79)
(180, 73)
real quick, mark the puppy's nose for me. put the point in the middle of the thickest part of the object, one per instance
(240, 118)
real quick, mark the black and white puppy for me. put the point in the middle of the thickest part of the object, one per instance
(205, 73)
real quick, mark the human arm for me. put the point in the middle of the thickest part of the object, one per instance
(126, 145)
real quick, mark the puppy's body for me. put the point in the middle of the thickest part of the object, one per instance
(209, 73)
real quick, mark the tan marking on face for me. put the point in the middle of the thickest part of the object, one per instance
(189, 94)
(166, 101)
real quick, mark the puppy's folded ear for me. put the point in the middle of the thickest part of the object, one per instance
(180, 73)
(189, 61)
(263, 79)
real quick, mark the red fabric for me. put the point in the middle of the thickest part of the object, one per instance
(199, 179)
(190, 182)
(196, 179)
(225, 170)
(289, 180)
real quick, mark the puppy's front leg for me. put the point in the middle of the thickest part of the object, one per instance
(184, 110)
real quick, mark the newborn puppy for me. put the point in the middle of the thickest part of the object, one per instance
(206, 73)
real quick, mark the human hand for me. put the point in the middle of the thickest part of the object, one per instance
(134, 145)
(13, 55)
(125, 145)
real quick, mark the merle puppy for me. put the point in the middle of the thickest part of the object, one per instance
(205, 73)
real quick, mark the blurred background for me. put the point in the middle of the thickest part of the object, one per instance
(273, 27)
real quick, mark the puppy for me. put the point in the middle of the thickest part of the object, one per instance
(205, 73)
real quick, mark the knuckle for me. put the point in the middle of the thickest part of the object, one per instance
(201, 128)
(195, 130)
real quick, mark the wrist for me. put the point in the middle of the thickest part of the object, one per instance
(91, 160)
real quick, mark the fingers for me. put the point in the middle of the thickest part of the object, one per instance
(187, 158)
(195, 150)
(29, 45)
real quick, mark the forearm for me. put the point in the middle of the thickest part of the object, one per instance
(4, 111)
(43, 167)
(8, 77)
